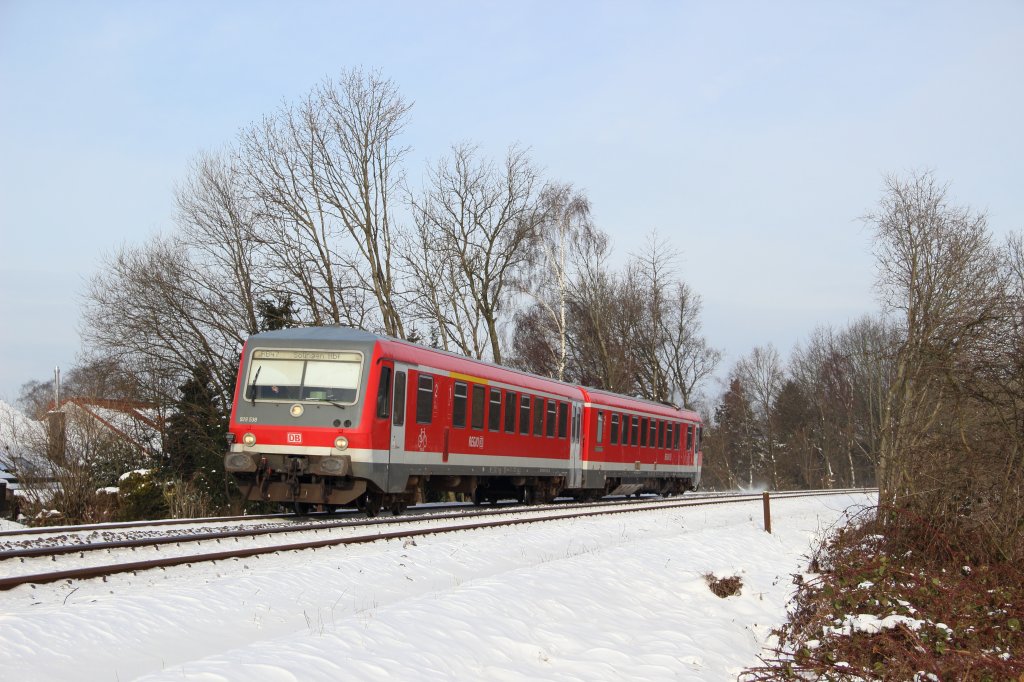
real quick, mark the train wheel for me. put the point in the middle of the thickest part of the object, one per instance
(301, 508)
(373, 504)
(529, 495)
(398, 507)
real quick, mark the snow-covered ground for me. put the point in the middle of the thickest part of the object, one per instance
(606, 598)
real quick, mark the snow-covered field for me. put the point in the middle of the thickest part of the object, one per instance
(606, 598)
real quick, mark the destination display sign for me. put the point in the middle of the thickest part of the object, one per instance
(307, 355)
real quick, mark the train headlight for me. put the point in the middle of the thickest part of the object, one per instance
(341, 442)
(249, 439)
(296, 410)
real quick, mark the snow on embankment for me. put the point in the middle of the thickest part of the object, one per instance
(604, 599)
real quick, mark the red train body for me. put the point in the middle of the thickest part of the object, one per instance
(336, 416)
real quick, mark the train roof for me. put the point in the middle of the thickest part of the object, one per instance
(325, 333)
(598, 396)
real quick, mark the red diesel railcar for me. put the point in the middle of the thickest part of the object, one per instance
(338, 417)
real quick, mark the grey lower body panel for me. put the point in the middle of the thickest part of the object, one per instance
(302, 478)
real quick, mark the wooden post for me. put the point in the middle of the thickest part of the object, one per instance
(767, 512)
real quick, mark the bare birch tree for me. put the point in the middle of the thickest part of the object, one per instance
(566, 212)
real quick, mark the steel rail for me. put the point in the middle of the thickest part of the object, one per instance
(156, 541)
(417, 509)
(240, 553)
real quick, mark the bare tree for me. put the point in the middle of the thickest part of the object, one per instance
(475, 223)
(217, 220)
(152, 310)
(324, 172)
(603, 312)
(358, 157)
(673, 357)
(762, 375)
(566, 224)
(688, 358)
(938, 273)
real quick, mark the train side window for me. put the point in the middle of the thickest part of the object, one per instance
(679, 433)
(479, 398)
(668, 436)
(689, 437)
(563, 418)
(614, 440)
(643, 432)
(398, 412)
(459, 405)
(700, 436)
(384, 393)
(524, 415)
(634, 439)
(424, 399)
(550, 430)
(661, 434)
(510, 412)
(600, 427)
(654, 433)
(538, 416)
(494, 416)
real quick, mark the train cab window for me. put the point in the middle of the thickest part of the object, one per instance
(700, 435)
(398, 413)
(600, 427)
(549, 431)
(524, 415)
(510, 412)
(661, 434)
(424, 399)
(614, 440)
(689, 437)
(538, 416)
(459, 405)
(494, 416)
(479, 397)
(563, 418)
(384, 393)
(643, 433)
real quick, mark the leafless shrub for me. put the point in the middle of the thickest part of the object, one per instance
(724, 587)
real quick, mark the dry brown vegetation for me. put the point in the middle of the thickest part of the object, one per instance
(724, 587)
(946, 616)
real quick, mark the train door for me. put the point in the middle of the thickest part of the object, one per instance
(575, 448)
(397, 449)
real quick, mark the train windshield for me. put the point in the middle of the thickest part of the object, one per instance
(308, 376)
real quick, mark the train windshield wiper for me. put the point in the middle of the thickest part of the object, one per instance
(325, 400)
(254, 385)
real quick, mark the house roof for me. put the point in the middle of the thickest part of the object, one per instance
(137, 423)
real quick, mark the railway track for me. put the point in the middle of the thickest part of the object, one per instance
(45, 563)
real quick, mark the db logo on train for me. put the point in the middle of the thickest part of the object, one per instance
(295, 438)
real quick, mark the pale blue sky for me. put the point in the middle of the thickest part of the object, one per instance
(752, 135)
